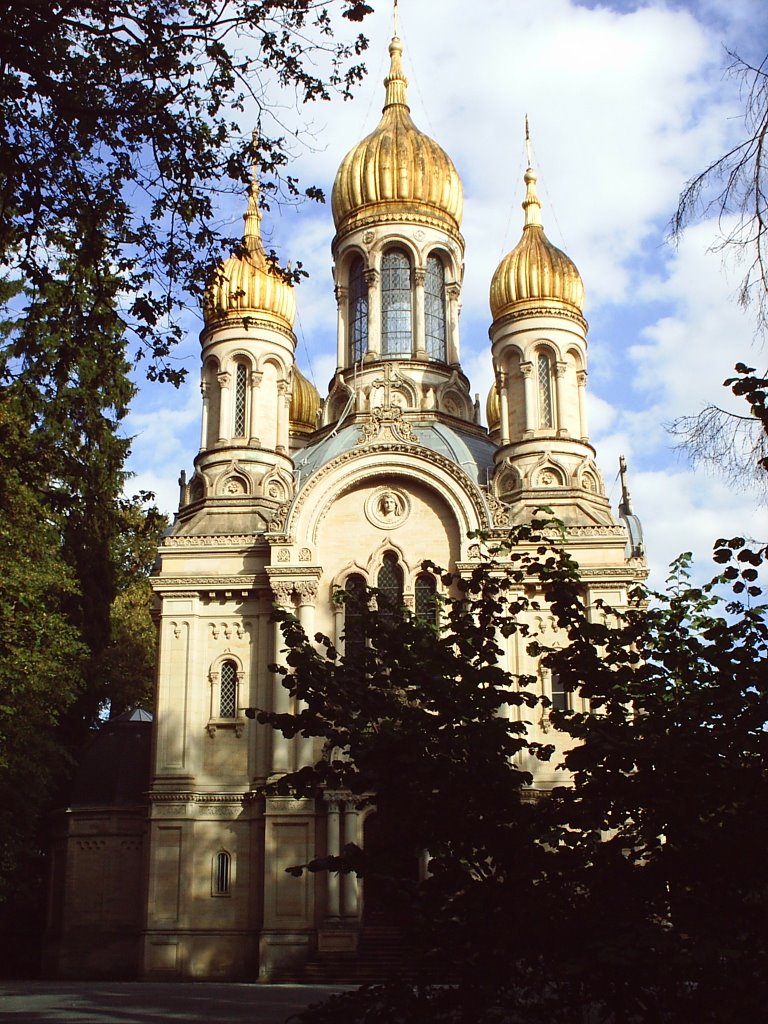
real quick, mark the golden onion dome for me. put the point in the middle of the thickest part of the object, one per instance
(493, 409)
(397, 172)
(305, 404)
(535, 270)
(247, 284)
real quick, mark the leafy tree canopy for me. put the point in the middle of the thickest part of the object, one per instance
(636, 890)
(115, 120)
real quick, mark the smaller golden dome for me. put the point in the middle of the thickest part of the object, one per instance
(248, 284)
(535, 270)
(305, 404)
(397, 172)
(493, 409)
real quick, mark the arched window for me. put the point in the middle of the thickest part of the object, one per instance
(354, 625)
(228, 690)
(390, 586)
(544, 376)
(434, 309)
(358, 310)
(396, 318)
(241, 400)
(222, 873)
(425, 600)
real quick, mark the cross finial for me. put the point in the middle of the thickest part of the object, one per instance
(528, 142)
(396, 18)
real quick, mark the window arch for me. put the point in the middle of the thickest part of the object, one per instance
(434, 309)
(389, 583)
(228, 690)
(241, 400)
(544, 381)
(354, 622)
(222, 874)
(425, 598)
(396, 316)
(358, 310)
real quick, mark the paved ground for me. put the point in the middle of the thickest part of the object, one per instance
(51, 1002)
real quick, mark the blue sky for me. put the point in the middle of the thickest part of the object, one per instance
(626, 102)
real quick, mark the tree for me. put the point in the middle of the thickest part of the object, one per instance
(115, 120)
(637, 892)
(735, 189)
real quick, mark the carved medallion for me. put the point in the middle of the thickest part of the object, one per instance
(387, 508)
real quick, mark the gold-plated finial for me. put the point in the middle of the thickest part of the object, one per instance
(396, 82)
(531, 203)
(396, 19)
(252, 215)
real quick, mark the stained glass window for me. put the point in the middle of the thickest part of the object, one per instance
(228, 690)
(241, 376)
(425, 604)
(395, 304)
(434, 309)
(544, 370)
(358, 310)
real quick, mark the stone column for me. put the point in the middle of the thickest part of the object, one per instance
(281, 699)
(419, 322)
(453, 294)
(349, 881)
(560, 417)
(307, 591)
(253, 434)
(373, 280)
(334, 849)
(225, 406)
(343, 355)
(283, 415)
(502, 385)
(529, 391)
(205, 392)
(581, 380)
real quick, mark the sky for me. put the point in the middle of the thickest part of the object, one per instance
(626, 102)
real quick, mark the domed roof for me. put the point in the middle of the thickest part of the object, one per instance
(535, 270)
(247, 283)
(397, 172)
(305, 404)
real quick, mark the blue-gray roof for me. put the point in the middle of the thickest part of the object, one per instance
(470, 450)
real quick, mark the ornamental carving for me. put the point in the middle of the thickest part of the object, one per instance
(500, 513)
(307, 591)
(387, 425)
(283, 555)
(283, 593)
(387, 508)
(279, 519)
(305, 555)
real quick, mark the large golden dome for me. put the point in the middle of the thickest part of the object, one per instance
(305, 404)
(536, 270)
(397, 173)
(247, 284)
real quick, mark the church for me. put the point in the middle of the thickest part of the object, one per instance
(178, 871)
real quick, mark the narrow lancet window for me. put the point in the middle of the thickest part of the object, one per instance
(560, 696)
(354, 626)
(221, 873)
(434, 309)
(241, 379)
(425, 601)
(396, 318)
(546, 410)
(228, 690)
(390, 587)
(358, 310)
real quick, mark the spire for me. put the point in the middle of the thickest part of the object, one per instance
(252, 215)
(396, 82)
(531, 203)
